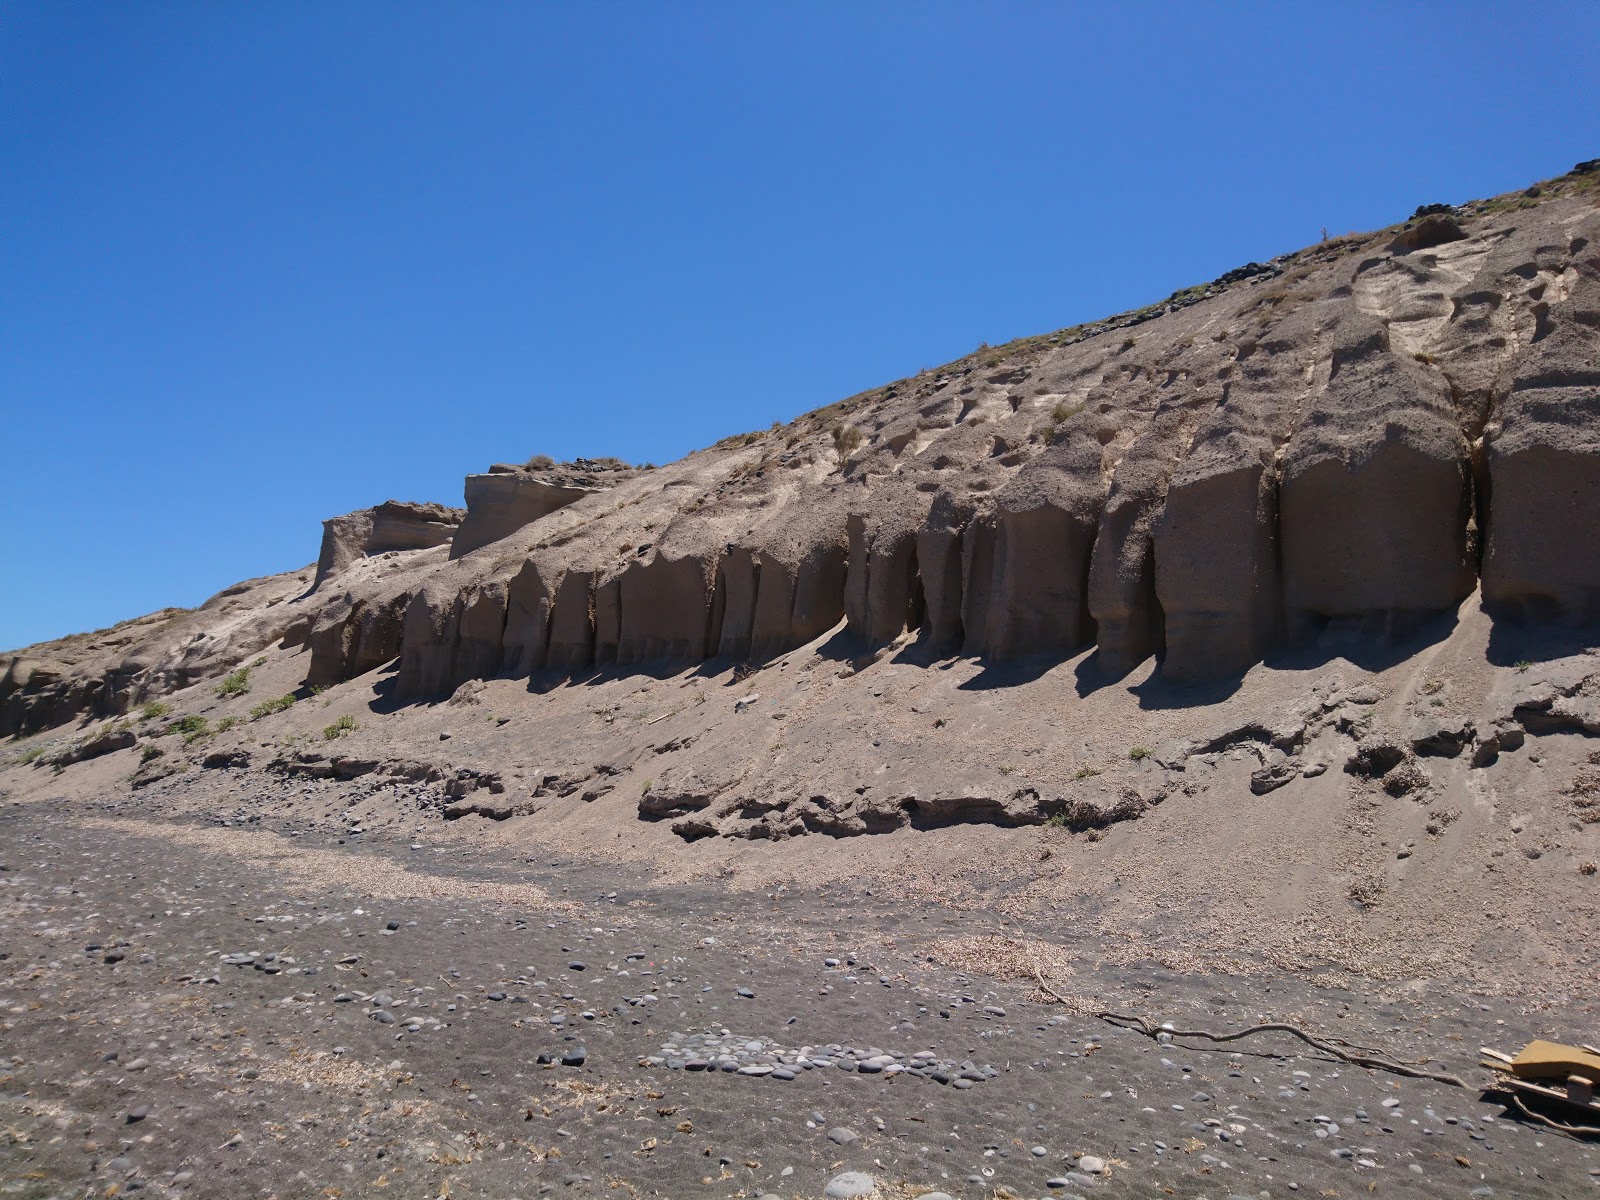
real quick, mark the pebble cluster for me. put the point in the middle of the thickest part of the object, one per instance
(723, 1050)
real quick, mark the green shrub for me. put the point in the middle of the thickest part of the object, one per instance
(192, 727)
(154, 709)
(236, 684)
(150, 752)
(267, 707)
(1139, 753)
(345, 724)
(31, 754)
(226, 724)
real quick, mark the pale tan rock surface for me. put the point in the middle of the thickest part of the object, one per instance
(1326, 446)
(392, 525)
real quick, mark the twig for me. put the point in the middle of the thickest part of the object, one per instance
(1363, 1056)
(1522, 1107)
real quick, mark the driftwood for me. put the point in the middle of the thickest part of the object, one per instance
(1360, 1056)
(1562, 1126)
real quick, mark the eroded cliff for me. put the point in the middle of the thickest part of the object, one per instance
(1346, 441)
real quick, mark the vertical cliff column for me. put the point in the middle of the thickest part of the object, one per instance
(481, 624)
(1216, 538)
(665, 602)
(736, 596)
(572, 623)
(427, 643)
(772, 632)
(380, 624)
(977, 575)
(1122, 577)
(527, 635)
(819, 588)
(939, 560)
(607, 620)
(883, 594)
(1045, 520)
(332, 642)
(1543, 559)
(1376, 494)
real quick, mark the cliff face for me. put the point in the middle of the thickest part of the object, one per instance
(385, 528)
(503, 501)
(1348, 440)
(1343, 442)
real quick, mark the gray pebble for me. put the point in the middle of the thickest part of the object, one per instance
(849, 1185)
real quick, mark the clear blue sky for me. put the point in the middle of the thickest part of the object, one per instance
(261, 264)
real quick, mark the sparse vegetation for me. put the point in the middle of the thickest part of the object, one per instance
(226, 724)
(345, 724)
(192, 727)
(648, 784)
(316, 689)
(1007, 769)
(1059, 415)
(540, 462)
(154, 710)
(846, 440)
(30, 755)
(1523, 664)
(1138, 753)
(237, 683)
(1086, 772)
(150, 753)
(267, 707)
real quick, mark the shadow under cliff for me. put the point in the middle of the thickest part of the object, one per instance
(1515, 642)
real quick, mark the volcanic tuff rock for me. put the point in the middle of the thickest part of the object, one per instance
(505, 500)
(392, 525)
(1336, 444)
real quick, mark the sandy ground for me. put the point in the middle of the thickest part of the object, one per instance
(135, 1058)
(136, 1054)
